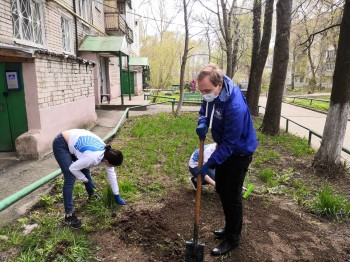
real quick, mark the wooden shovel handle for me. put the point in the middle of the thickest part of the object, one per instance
(198, 193)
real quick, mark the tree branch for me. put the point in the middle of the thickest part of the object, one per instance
(310, 39)
(207, 7)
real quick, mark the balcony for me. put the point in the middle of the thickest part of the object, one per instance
(116, 25)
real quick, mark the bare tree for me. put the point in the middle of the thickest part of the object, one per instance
(271, 121)
(229, 27)
(184, 58)
(260, 51)
(312, 16)
(328, 155)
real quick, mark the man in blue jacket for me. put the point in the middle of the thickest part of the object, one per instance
(225, 112)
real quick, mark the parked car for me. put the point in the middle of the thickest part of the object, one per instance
(244, 87)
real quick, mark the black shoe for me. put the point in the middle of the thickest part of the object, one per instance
(72, 221)
(193, 183)
(219, 233)
(224, 247)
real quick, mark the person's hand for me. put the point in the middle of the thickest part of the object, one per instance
(89, 187)
(203, 170)
(119, 200)
(202, 130)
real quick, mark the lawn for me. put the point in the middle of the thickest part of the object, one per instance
(318, 105)
(291, 214)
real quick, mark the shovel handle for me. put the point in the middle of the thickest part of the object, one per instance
(198, 193)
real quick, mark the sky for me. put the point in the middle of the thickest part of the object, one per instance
(142, 7)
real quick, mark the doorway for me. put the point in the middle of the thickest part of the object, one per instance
(13, 116)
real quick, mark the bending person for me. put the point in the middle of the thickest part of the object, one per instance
(76, 150)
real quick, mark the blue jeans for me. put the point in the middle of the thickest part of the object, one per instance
(211, 174)
(64, 159)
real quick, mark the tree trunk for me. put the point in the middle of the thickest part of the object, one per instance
(183, 62)
(329, 152)
(235, 46)
(229, 69)
(292, 76)
(209, 45)
(312, 81)
(293, 67)
(256, 38)
(259, 58)
(271, 122)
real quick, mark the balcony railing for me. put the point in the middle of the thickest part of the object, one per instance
(115, 23)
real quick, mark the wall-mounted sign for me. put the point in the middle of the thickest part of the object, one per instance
(12, 80)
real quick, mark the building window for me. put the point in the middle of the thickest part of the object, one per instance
(67, 37)
(121, 8)
(84, 9)
(28, 20)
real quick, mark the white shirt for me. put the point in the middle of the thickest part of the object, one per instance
(89, 150)
(208, 150)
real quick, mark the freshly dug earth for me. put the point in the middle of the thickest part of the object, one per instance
(273, 230)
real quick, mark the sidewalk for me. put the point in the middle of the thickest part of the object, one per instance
(15, 174)
(310, 119)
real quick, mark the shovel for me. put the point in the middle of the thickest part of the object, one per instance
(195, 250)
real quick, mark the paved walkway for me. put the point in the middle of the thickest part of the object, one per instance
(310, 119)
(15, 174)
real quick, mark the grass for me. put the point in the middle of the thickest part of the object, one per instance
(330, 204)
(156, 151)
(318, 105)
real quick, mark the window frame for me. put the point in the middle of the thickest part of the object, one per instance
(69, 21)
(84, 9)
(41, 13)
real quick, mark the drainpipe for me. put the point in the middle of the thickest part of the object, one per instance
(25, 191)
(75, 27)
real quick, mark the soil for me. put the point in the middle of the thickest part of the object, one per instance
(273, 230)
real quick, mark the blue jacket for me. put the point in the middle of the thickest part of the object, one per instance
(232, 126)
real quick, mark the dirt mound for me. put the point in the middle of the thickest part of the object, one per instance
(270, 232)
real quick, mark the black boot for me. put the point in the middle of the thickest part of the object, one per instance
(224, 247)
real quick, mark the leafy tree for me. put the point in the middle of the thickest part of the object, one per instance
(163, 56)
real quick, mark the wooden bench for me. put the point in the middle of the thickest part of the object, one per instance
(193, 96)
(106, 96)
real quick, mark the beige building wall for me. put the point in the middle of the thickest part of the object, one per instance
(5, 21)
(59, 95)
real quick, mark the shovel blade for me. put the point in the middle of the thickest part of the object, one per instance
(194, 252)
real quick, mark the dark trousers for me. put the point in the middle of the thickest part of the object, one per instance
(229, 182)
(64, 159)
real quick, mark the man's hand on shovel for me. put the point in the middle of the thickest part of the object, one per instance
(202, 130)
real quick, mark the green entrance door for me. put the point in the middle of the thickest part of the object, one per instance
(126, 84)
(13, 117)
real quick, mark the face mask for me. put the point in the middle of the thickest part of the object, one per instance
(209, 97)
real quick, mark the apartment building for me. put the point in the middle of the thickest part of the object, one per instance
(58, 61)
